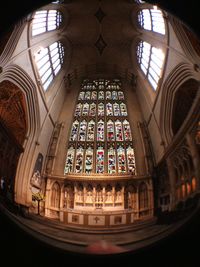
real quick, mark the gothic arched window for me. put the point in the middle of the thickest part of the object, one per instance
(49, 61)
(151, 61)
(46, 20)
(152, 20)
(100, 138)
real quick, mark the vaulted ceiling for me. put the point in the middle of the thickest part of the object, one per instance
(100, 31)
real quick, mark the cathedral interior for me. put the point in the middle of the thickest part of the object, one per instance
(99, 124)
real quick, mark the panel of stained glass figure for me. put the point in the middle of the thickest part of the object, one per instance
(108, 95)
(123, 109)
(127, 131)
(90, 131)
(82, 131)
(114, 95)
(81, 95)
(118, 131)
(101, 95)
(69, 160)
(131, 160)
(100, 130)
(111, 160)
(87, 95)
(92, 111)
(85, 109)
(100, 160)
(94, 95)
(74, 131)
(101, 109)
(121, 95)
(116, 109)
(79, 160)
(110, 131)
(78, 109)
(88, 160)
(109, 110)
(121, 160)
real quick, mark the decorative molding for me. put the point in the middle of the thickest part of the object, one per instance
(100, 44)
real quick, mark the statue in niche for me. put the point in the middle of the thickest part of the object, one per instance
(79, 197)
(36, 179)
(119, 196)
(108, 196)
(89, 196)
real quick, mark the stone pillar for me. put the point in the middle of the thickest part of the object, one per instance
(104, 195)
(48, 198)
(123, 197)
(113, 195)
(137, 208)
(172, 180)
(94, 195)
(84, 194)
(195, 157)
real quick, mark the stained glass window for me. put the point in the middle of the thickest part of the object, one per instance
(111, 160)
(101, 109)
(92, 109)
(78, 109)
(85, 109)
(100, 130)
(109, 109)
(82, 131)
(90, 131)
(116, 109)
(74, 131)
(88, 160)
(131, 159)
(127, 131)
(121, 160)
(121, 95)
(118, 130)
(79, 160)
(100, 138)
(69, 160)
(110, 131)
(100, 160)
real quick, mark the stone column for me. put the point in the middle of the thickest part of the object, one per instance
(104, 195)
(137, 208)
(84, 194)
(195, 157)
(113, 195)
(94, 195)
(123, 197)
(48, 198)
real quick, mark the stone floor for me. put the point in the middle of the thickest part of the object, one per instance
(54, 233)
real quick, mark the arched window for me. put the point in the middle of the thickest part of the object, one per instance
(55, 196)
(90, 131)
(151, 62)
(49, 61)
(100, 139)
(78, 109)
(88, 160)
(143, 196)
(111, 160)
(69, 160)
(46, 20)
(152, 20)
(110, 131)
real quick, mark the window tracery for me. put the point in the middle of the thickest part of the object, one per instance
(100, 140)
